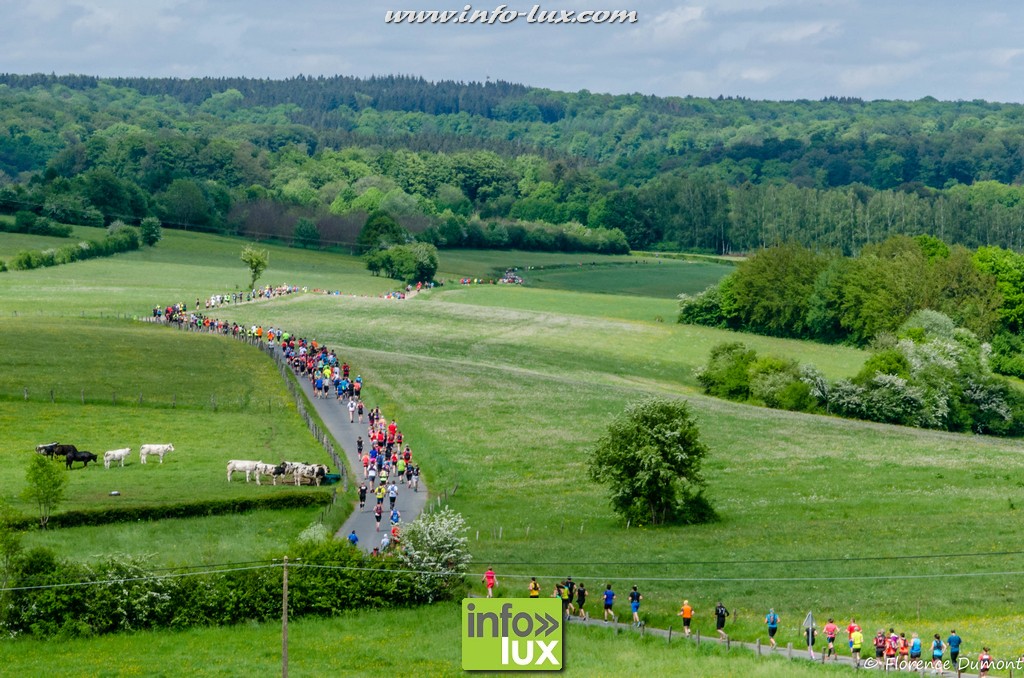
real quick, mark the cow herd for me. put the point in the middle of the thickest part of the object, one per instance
(71, 454)
(313, 474)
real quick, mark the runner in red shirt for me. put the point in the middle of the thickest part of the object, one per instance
(830, 638)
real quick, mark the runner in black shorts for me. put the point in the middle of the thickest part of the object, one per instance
(581, 599)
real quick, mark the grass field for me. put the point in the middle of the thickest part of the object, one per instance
(647, 276)
(505, 403)
(182, 267)
(111, 361)
(503, 391)
(420, 642)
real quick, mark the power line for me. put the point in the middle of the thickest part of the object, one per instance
(766, 561)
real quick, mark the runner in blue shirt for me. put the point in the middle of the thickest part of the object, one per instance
(353, 539)
(772, 620)
(609, 600)
(953, 643)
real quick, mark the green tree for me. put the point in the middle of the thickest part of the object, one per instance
(650, 458)
(46, 483)
(306, 234)
(257, 261)
(152, 231)
(380, 232)
(772, 289)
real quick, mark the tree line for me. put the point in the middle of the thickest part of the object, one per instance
(795, 291)
(469, 163)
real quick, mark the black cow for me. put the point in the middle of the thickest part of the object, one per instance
(83, 456)
(55, 449)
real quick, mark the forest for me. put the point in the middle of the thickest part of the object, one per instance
(498, 164)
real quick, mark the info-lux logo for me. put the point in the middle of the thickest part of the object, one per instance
(511, 634)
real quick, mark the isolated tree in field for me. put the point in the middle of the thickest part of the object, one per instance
(152, 231)
(257, 261)
(650, 458)
(46, 485)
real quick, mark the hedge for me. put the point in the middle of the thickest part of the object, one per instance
(195, 509)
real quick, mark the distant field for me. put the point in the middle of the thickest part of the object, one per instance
(625, 275)
(558, 301)
(182, 267)
(12, 243)
(664, 279)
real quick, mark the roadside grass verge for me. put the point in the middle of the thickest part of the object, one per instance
(423, 641)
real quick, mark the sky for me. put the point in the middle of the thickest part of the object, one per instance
(760, 49)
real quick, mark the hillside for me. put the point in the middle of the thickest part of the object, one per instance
(497, 165)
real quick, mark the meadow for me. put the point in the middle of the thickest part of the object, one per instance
(639, 276)
(122, 384)
(420, 642)
(504, 404)
(503, 390)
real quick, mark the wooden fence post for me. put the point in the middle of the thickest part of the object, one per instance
(789, 650)
(757, 644)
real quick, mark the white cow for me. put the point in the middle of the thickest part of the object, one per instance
(116, 455)
(269, 470)
(248, 467)
(315, 473)
(158, 450)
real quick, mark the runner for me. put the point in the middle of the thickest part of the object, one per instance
(830, 639)
(570, 587)
(720, 614)
(853, 626)
(359, 411)
(392, 493)
(953, 643)
(772, 620)
(353, 539)
(892, 644)
(880, 645)
(856, 642)
(381, 490)
(581, 599)
(562, 594)
(904, 650)
(915, 652)
(937, 650)
(634, 605)
(351, 412)
(984, 662)
(686, 612)
(362, 494)
(490, 580)
(810, 634)
(416, 478)
(534, 588)
(609, 600)
(378, 511)
(396, 516)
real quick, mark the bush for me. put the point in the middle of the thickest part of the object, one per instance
(727, 374)
(151, 231)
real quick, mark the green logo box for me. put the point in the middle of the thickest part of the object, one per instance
(511, 634)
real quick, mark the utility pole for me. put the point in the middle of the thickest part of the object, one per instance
(284, 621)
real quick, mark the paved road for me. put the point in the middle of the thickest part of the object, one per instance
(410, 504)
(796, 653)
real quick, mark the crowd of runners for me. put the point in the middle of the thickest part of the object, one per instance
(892, 650)
(384, 455)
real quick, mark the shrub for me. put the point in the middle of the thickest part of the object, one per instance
(727, 373)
